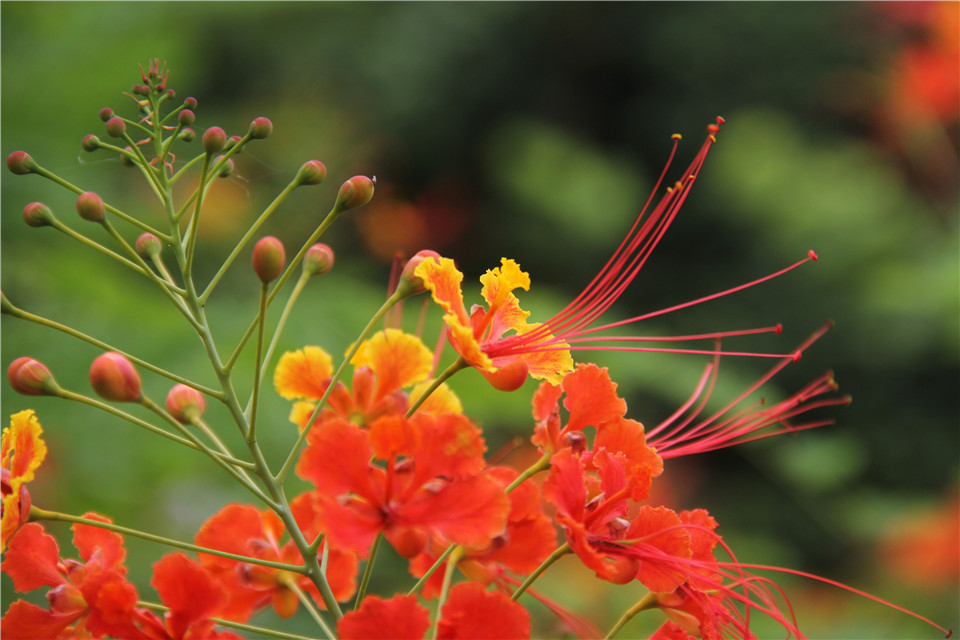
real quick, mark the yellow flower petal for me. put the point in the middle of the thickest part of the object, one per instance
(442, 400)
(22, 449)
(301, 373)
(399, 359)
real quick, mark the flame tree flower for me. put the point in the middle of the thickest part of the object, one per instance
(502, 345)
(21, 452)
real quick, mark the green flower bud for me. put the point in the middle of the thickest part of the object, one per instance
(260, 128)
(114, 377)
(186, 117)
(90, 207)
(355, 192)
(312, 172)
(37, 214)
(106, 113)
(187, 134)
(116, 127)
(20, 163)
(318, 259)
(90, 142)
(214, 139)
(190, 103)
(269, 257)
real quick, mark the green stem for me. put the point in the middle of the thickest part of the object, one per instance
(458, 365)
(436, 565)
(294, 452)
(445, 588)
(17, 312)
(255, 394)
(173, 179)
(535, 468)
(368, 570)
(93, 244)
(192, 229)
(308, 604)
(238, 475)
(247, 237)
(649, 601)
(282, 322)
(259, 631)
(77, 190)
(561, 551)
(37, 513)
(283, 279)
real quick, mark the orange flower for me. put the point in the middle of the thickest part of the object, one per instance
(385, 364)
(21, 453)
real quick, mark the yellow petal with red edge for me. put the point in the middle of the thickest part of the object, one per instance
(11, 514)
(499, 282)
(22, 449)
(551, 363)
(464, 343)
(303, 373)
(442, 400)
(399, 359)
(301, 412)
(443, 280)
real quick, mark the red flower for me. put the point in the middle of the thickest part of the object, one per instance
(245, 530)
(526, 542)
(470, 612)
(431, 483)
(92, 596)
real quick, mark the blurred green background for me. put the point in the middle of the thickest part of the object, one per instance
(535, 131)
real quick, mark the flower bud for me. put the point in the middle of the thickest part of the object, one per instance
(318, 259)
(186, 117)
(20, 163)
(410, 284)
(37, 214)
(114, 377)
(190, 103)
(355, 192)
(185, 403)
(90, 142)
(125, 159)
(312, 172)
(148, 246)
(260, 128)
(31, 378)
(116, 127)
(226, 170)
(213, 139)
(233, 141)
(268, 258)
(90, 207)
(187, 134)
(106, 113)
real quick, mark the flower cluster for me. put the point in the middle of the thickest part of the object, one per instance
(388, 453)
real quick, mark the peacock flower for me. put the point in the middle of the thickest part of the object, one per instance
(21, 453)
(385, 364)
(502, 345)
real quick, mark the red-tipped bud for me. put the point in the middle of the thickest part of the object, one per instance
(187, 134)
(90, 142)
(318, 259)
(213, 139)
(106, 113)
(116, 127)
(312, 172)
(260, 128)
(90, 207)
(233, 141)
(37, 214)
(20, 163)
(31, 378)
(148, 246)
(125, 158)
(509, 377)
(410, 284)
(355, 192)
(186, 117)
(226, 169)
(268, 258)
(185, 403)
(171, 94)
(114, 377)
(190, 103)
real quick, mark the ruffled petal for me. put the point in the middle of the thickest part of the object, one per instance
(399, 359)
(188, 589)
(22, 449)
(473, 612)
(399, 618)
(91, 541)
(303, 373)
(31, 561)
(591, 397)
